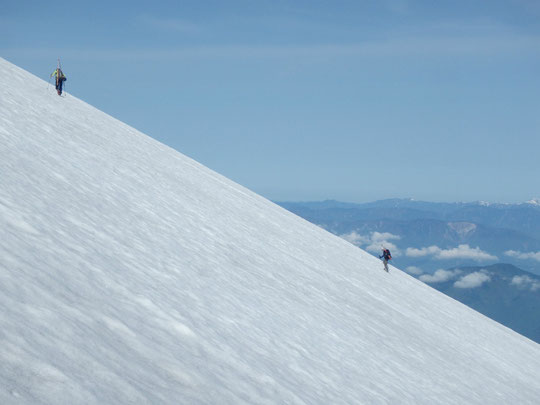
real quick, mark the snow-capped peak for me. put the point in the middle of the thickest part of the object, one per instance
(534, 201)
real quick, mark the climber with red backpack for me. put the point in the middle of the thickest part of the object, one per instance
(386, 256)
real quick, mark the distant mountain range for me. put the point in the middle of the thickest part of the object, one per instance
(435, 235)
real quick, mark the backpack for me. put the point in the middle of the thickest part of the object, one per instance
(387, 254)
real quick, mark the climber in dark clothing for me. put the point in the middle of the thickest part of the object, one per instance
(386, 256)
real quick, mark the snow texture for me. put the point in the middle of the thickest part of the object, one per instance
(131, 274)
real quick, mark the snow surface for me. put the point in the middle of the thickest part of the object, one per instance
(131, 274)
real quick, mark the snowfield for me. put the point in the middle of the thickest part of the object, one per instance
(131, 274)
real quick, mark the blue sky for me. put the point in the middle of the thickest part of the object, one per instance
(310, 100)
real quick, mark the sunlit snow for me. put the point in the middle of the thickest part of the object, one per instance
(131, 274)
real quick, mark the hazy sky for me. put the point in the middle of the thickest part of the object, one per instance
(307, 100)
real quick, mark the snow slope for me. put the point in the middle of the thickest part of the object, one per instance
(131, 274)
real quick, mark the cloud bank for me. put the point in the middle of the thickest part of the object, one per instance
(374, 242)
(460, 252)
(525, 282)
(440, 276)
(415, 271)
(355, 238)
(473, 280)
(522, 255)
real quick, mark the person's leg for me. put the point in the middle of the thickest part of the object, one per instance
(385, 264)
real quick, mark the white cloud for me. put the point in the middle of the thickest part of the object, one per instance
(460, 252)
(383, 236)
(473, 280)
(522, 255)
(525, 282)
(378, 240)
(374, 242)
(466, 252)
(439, 276)
(377, 248)
(426, 251)
(414, 270)
(355, 238)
